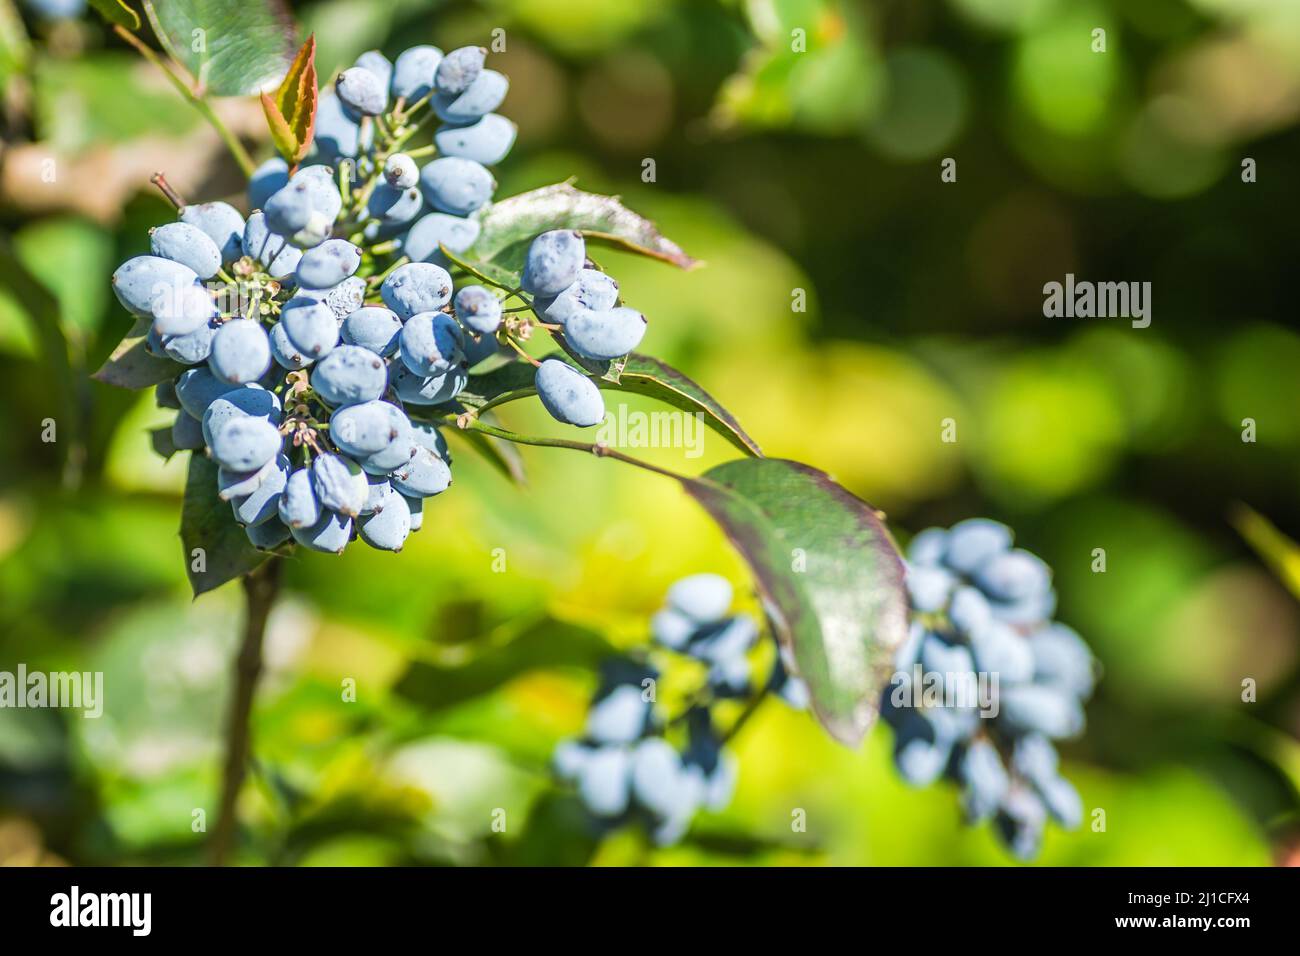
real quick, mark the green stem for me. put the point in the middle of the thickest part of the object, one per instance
(232, 142)
(599, 449)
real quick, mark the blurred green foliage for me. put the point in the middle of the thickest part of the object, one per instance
(815, 170)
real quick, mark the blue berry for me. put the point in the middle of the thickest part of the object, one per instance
(478, 309)
(413, 72)
(331, 533)
(276, 254)
(241, 352)
(456, 186)
(416, 287)
(554, 262)
(620, 717)
(339, 484)
(268, 535)
(361, 91)
(328, 264)
(439, 229)
(568, 395)
(389, 526)
(140, 280)
(458, 69)
(299, 507)
(400, 170)
(424, 476)
(338, 135)
(192, 347)
(487, 140)
(365, 429)
(605, 335)
(704, 598)
(286, 354)
(197, 388)
(180, 311)
(975, 541)
(248, 399)
(349, 375)
(603, 781)
(427, 390)
(223, 224)
(186, 244)
(592, 291)
(432, 343)
(1042, 709)
(245, 444)
(268, 179)
(263, 503)
(483, 96)
(374, 328)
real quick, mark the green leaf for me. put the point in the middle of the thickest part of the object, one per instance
(641, 375)
(501, 455)
(132, 365)
(512, 223)
(160, 439)
(545, 644)
(117, 13)
(207, 523)
(292, 113)
(829, 574)
(231, 47)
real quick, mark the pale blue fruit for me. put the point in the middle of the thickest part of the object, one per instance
(365, 429)
(620, 717)
(338, 135)
(416, 505)
(487, 140)
(322, 187)
(432, 343)
(1062, 802)
(286, 354)
(659, 780)
(268, 535)
(929, 587)
(482, 97)
(361, 91)
(704, 598)
(919, 752)
(223, 224)
(380, 487)
(309, 326)
(331, 533)
(568, 395)
(339, 483)
(974, 541)
(241, 352)
(140, 280)
(389, 526)
(400, 171)
(381, 67)
(423, 476)
(192, 347)
(263, 504)
(458, 69)
(342, 299)
(413, 72)
(428, 435)
(1061, 658)
(672, 629)
(478, 309)
(250, 399)
(245, 444)
(605, 335)
(604, 784)
(1014, 576)
(328, 264)
(986, 781)
(374, 328)
(416, 287)
(266, 181)
(439, 229)
(299, 507)
(289, 209)
(998, 649)
(928, 547)
(398, 451)
(428, 390)
(392, 207)
(188, 245)
(554, 262)
(456, 186)
(592, 291)
(183, 310)
(349, 375)
(1035, 759)
(240, 484)
(276, 254)
(1038, 708)
(187, 432)
(197, 388)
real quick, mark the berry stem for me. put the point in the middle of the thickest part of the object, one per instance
(160, 180)
(260, 589)
(599, 449)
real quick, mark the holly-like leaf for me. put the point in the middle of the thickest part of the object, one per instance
(291, 114)
(216, 548)
(829, 574)
(509, 225)
(117, 13)
(132, 365)
(230, 47)
(641, 375)
(161, 441)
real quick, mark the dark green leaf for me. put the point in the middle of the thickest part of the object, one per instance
(132, 365)
(547, 644)
(117, 13)
(208, 523)
(829, 574)
(161, 441)
(240, 47)
(603, 219)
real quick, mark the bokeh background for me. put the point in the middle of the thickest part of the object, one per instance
(817, 171)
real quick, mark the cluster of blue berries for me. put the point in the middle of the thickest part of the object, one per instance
(626, 765)
(987, 680)
(304, 353)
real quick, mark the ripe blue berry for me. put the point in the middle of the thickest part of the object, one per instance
(241, 352)
(456, 186)
(432, 343)
(605, 335)
(568, 395)
(186, 244)
(486, 140)
(554, 261)
(349, 375)
(416, 287)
